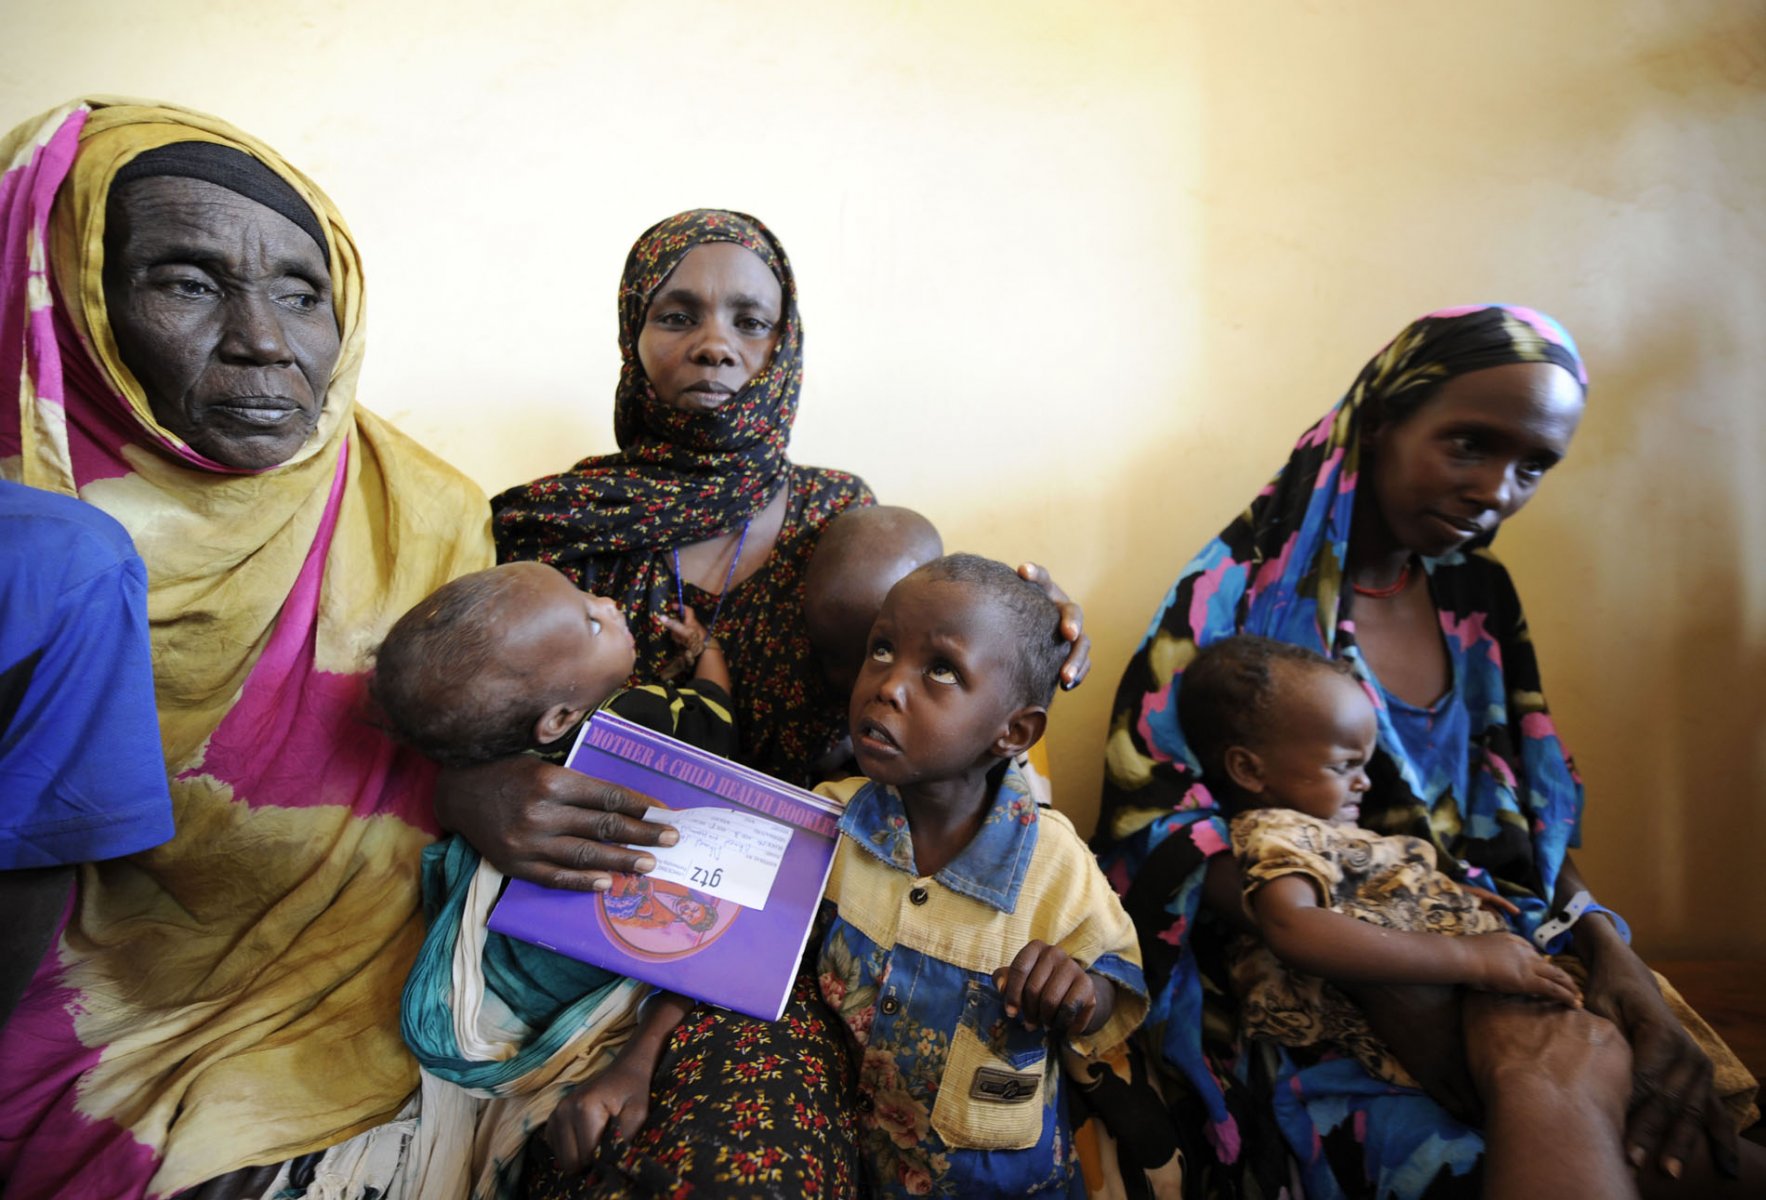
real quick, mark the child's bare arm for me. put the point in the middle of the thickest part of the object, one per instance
(1340, 948)
(618, 1099)
(1049, 988)
(711, 666)
(1491, 900)
(696, 644)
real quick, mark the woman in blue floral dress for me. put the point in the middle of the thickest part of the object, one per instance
(1372, 545)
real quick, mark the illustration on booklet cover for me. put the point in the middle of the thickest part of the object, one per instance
(662, 920)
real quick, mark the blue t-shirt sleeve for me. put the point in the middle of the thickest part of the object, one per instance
(81, 768)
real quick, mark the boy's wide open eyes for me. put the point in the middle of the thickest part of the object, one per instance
(882, 652)
(943, 672)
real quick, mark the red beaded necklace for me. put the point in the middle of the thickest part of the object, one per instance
(1391, 589)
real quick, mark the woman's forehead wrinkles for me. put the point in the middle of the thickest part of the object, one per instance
(210, 227)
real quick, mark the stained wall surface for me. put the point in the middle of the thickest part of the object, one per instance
(1075, 274)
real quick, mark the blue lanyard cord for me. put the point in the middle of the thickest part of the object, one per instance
(716, 612)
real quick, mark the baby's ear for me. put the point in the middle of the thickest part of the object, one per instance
(555, 722)
(1024, 728)
(1244, 768)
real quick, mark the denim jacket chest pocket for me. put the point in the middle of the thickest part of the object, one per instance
(995, 1084)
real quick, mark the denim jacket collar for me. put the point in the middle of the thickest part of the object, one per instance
(990, 868)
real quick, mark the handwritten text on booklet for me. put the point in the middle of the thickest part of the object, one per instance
(723, 852)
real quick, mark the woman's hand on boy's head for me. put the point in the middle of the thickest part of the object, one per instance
(1078, 664)
(1502, 962)
(1045, 987)
(542, 823)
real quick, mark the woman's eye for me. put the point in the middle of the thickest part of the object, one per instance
(670, 320)
(594, 627)
(193, 288)
(942, 673)
(301, 301)
(754, 325)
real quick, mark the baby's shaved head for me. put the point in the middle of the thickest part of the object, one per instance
(444, 647)
(859, 556)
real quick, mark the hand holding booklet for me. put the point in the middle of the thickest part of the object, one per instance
(726, 913)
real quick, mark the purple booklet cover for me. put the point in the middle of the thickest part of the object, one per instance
(726, 929)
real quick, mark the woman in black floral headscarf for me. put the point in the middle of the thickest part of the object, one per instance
(700, 508)
(701, 491)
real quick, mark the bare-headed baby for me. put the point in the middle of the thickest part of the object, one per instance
(860, 555)
(516, 658)
(511, 660)
(1284, 737)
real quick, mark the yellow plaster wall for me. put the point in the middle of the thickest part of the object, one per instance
(1076, 273)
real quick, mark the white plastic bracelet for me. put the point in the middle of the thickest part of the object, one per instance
(1549, 931)
(1552, 936)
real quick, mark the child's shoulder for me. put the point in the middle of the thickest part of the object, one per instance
(1058, 843)
(1057, 824)
(698, 713)
(841, 790)
(644, 696)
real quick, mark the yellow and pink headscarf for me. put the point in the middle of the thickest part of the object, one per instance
(230, 998)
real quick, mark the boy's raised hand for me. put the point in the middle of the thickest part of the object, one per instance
(1502, 962)
(687, 632)
(1044, 986)
(690, 636)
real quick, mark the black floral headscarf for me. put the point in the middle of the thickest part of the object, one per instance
(679, 477)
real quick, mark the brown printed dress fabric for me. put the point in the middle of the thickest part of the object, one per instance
(753, 1109)
(1392, 882)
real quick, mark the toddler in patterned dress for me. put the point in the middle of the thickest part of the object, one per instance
(1284, 737)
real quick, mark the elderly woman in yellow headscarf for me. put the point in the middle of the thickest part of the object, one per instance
(181, 313)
